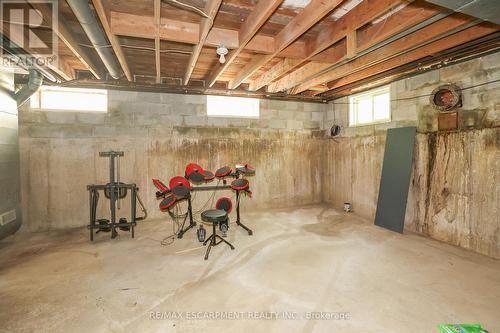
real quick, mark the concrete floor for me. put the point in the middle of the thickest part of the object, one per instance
(299, 261)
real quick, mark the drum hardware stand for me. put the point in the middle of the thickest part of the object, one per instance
(238, 221)
(222, 187)
(212, 241)
(192, 223)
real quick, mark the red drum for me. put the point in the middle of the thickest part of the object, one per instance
(160, 186)
(245, 169)
(240, 184)
(181, 192)
(179, 181)
(209, 176)
(223, 172)
(225, 204)
(195, 173)
(168, 202)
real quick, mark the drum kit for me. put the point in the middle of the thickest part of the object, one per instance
(181, 188)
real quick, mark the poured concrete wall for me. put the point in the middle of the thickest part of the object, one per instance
(160, 134)
(454, 192)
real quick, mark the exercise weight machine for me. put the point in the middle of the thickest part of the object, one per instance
(115, 191)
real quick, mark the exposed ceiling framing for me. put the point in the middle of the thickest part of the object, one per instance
(310, 50)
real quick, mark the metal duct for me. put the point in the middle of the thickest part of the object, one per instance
(487, 10)
(34, 83)
(10, 188)
(96, 35)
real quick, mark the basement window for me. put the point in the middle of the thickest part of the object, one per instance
(70, 99)
(223, 106)
(372, 107)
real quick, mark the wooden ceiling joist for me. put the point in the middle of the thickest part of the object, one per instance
(67, 38)
(140, 26)
(307, 70)
(263, 10)
(314, 12)
(113, 39)
(303, 52)
(409, 16)
(463, 52)
(416, 12)
(211, 9)
(346, 26)
(281, 68)
(454, 40)
(386, 54)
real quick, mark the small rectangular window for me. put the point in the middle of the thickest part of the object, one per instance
(223, 106)
(70, 99)
(371, 107)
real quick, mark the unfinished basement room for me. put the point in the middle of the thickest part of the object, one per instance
(290, 166)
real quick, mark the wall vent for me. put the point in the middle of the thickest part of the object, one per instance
(8, 217)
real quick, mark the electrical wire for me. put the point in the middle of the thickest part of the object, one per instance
(185, 5)
(168, 240)
(144, 48)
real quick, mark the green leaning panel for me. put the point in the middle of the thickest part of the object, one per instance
(395, 180)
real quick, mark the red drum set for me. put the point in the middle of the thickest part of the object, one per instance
(180, 189)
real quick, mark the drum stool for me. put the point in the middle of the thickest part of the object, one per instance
(214, 216)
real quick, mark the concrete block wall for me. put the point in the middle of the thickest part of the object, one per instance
(410, 104)
(454, 194)
(160, 134)
(297, 163)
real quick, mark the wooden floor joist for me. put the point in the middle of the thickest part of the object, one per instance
(435, 47)
(314, 12)
(64, 34)
(141, 26)
(393, 54)
(274, 46)
(115, 42)
(357, 17)
(263, 10)
(211, 9)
